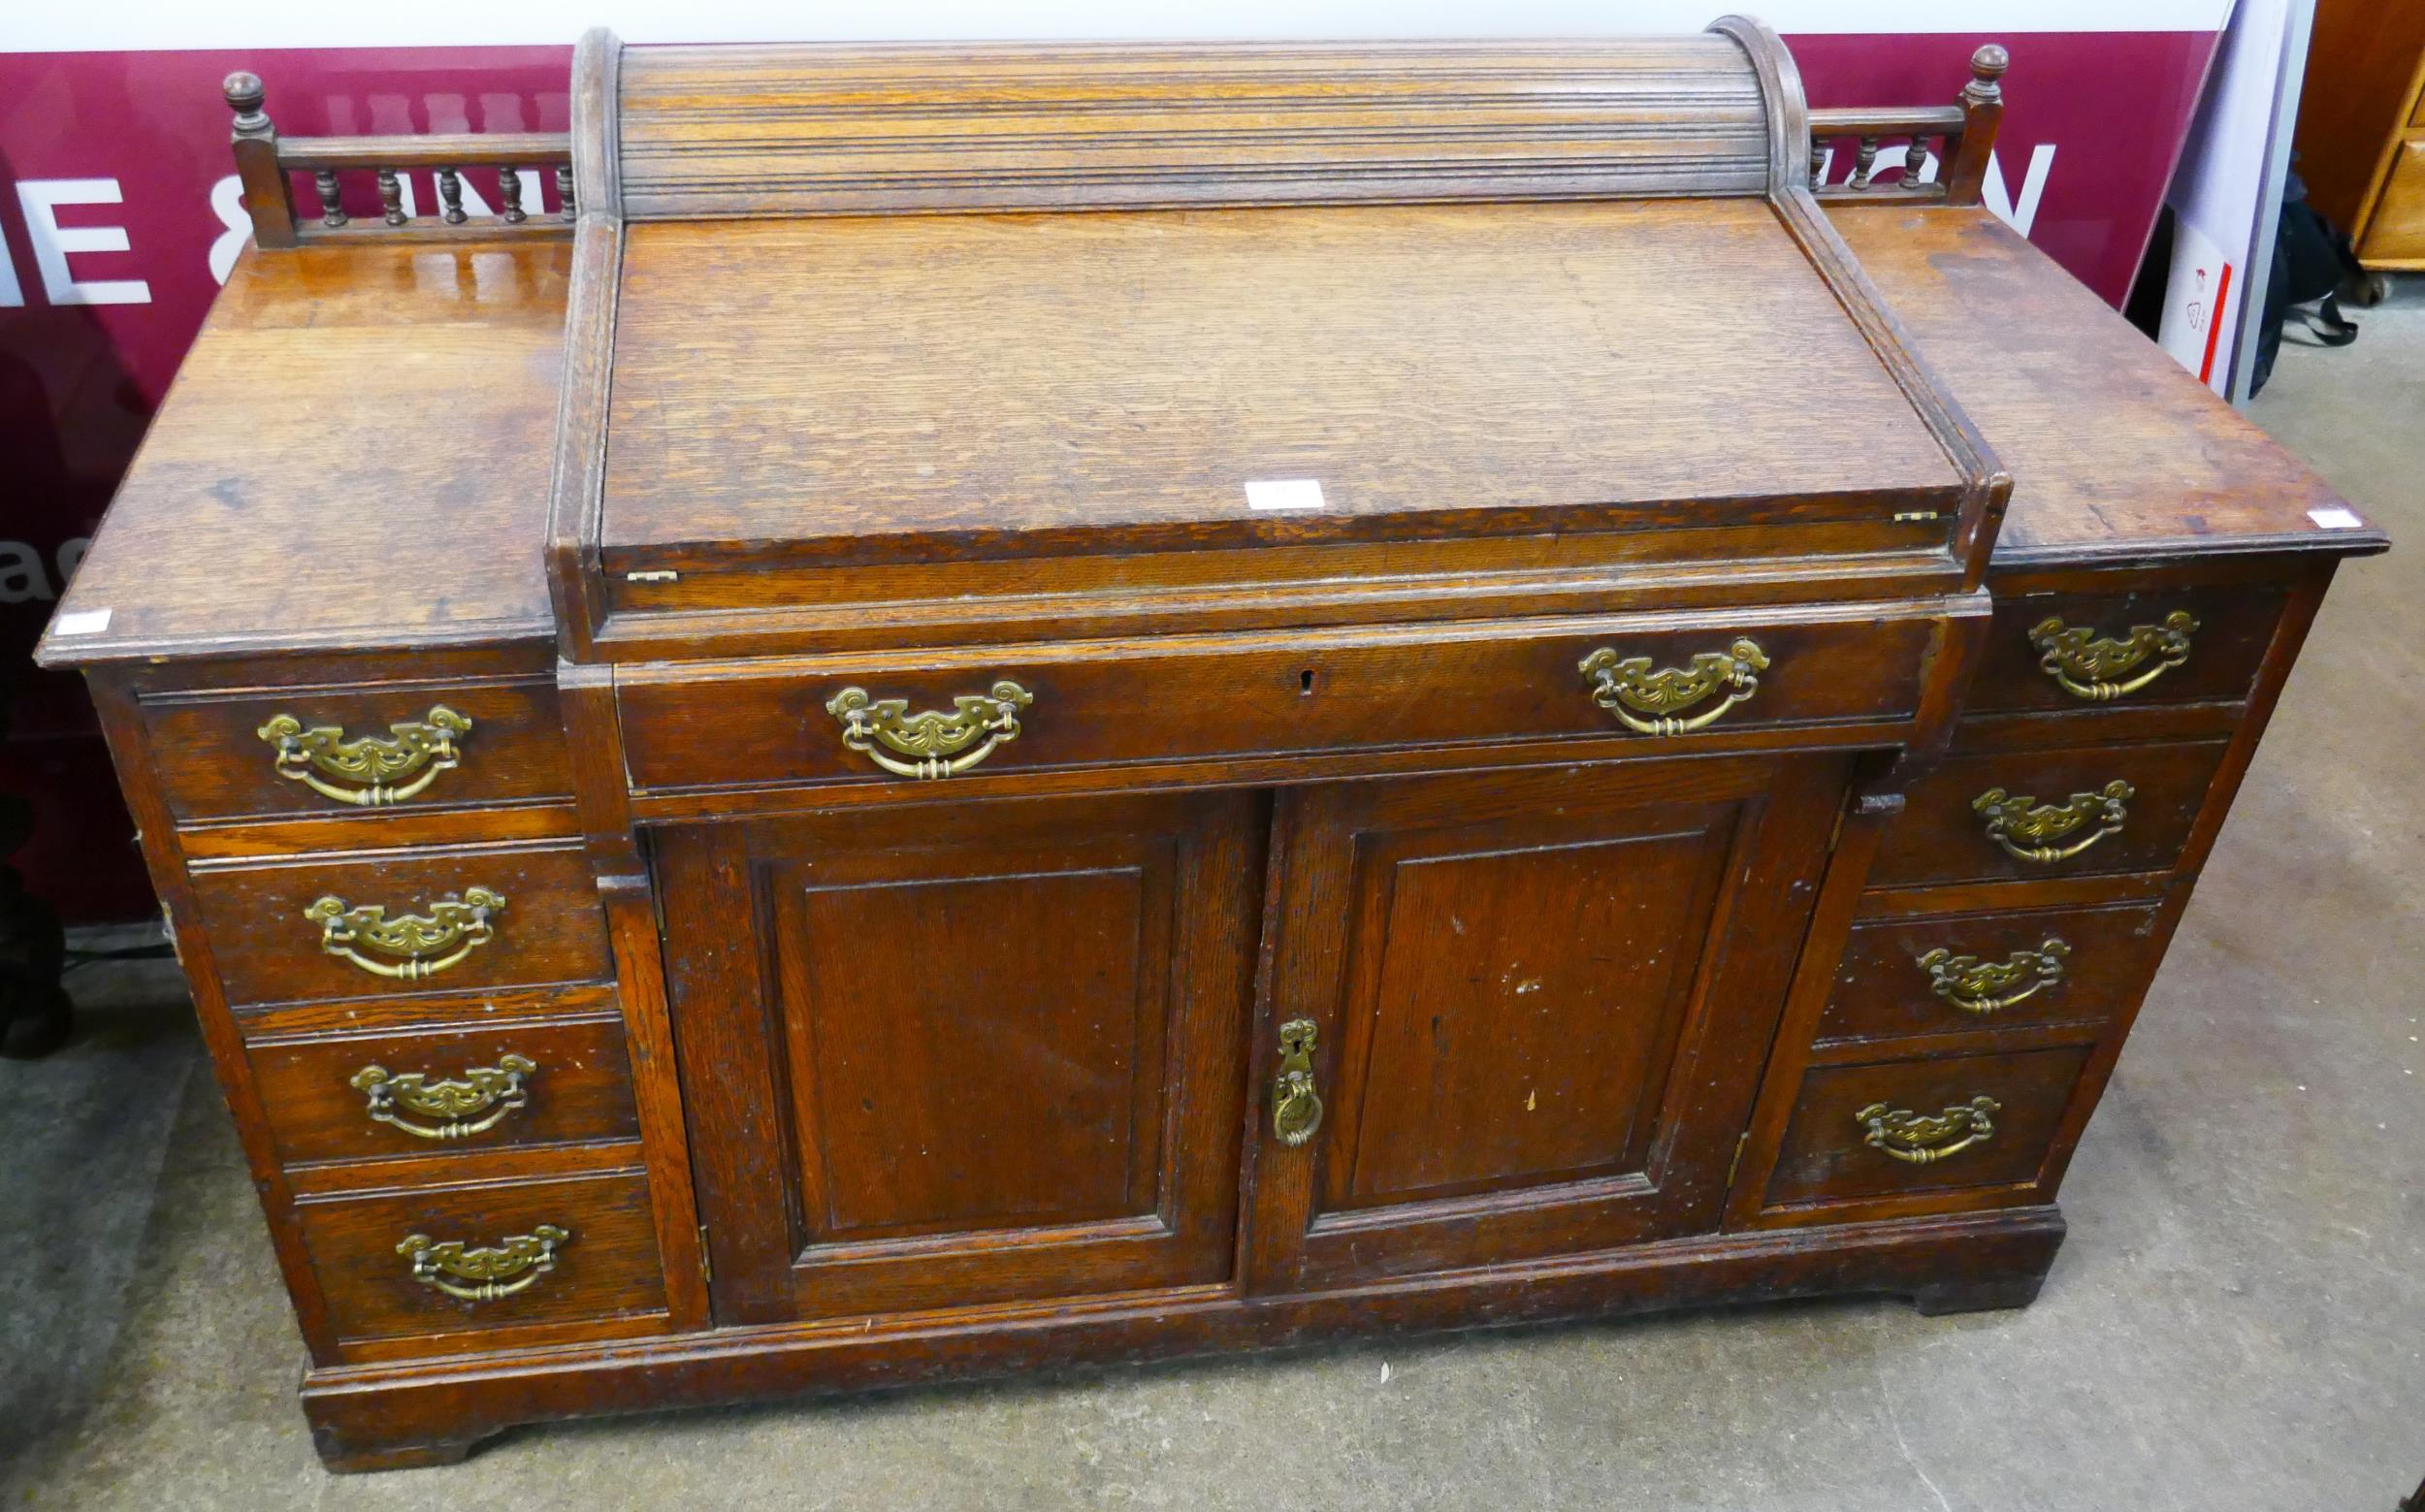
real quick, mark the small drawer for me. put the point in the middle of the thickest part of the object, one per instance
(1654, 679)
(338, 751)
(2164, 645)
(2069, 812)
(458, 919)
(454, 1258)
(1923, 1125)
(1947, 975)
(364, 1097)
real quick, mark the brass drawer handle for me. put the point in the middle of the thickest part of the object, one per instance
(1296, 1108)
(374, 765)
(475, 1105)
(520, 1260)
(937, 744)
(2085, 665)
(2028, 830)
(1984, 987)
(1648, 701)
(1923, 1139)
(422, 947)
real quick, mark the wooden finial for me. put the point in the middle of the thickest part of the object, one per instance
(267, 196)
(1983, 111)
(245, 96)
(1986, 67)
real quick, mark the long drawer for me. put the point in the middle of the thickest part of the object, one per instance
(1655, 678)
(462, 918)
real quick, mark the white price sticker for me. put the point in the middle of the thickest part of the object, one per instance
(2335, 519)
(81, 622)
(1284, 493)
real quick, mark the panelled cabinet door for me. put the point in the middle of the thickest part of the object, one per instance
(958, 1053)
(1532, 1007)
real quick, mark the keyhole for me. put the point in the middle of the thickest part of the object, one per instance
(1305, 684)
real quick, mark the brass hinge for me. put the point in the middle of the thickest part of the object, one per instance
(1737, 1164)
(706, 1266)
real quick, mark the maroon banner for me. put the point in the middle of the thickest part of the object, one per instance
(118, 216)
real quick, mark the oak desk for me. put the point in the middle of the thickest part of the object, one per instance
(976, 708)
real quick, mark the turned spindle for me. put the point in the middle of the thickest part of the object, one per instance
(509, 194)
(267, 198)
(450, 197)
(332, 205)
(391, 197)
(564, 189)
(1865, 164)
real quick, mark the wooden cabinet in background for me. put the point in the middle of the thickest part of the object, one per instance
(2361, 134)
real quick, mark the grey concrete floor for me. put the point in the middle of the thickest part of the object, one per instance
(2237, 1320)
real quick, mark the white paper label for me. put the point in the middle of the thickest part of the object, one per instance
(82, 621)
(1284, 493)
(2335, 519)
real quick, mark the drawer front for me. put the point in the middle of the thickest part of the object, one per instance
(455, 1258)
(2061, 812)
(1991, 970)
(2072, 651)
(1494, 682)
(338, 751)
(2397, 229)
(1923, 1125)
(355, 1097)
(294, 931)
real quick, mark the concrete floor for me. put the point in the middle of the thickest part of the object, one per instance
(2237, 1320)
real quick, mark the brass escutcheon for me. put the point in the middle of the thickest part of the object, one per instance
(373, 765)
(1296, 1108)
(474, 1105)
(2028, 830)
(513, 1265)
(2086, 665)
(1982, 987)
(422, 947)
(1648, 701)
(1923, 1139)
(937, 744)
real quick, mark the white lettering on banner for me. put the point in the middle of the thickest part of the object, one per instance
(40, 199)
(227, 202)
(22, 578)
(11, 291)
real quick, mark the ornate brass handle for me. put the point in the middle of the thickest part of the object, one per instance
(2028, 829)
(2086, 665)
(1982, 987)
(475, 1105)
(1648, 701)
(1296, 1108)
(937, 744)
(501, 1272)
(1923, 1139)
(422, 947)
(423, 746)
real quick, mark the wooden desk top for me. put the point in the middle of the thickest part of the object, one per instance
(909, 385)
(267, 508)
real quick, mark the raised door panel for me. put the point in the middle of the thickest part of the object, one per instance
(961, 1054)
(1538, 1002)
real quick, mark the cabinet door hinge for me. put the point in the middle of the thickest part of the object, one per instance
(706, 1264)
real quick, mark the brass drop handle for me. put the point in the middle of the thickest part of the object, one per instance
(2030, 830)
(1924, 1139)
(474, 1105)
(1650, 701)
(2086, 665)
(1984, 987)
(1296, 1108)
(373, 767)
(410, 946)
(487, 1273)
(936, 744)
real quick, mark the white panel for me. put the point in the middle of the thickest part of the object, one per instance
(160, 25)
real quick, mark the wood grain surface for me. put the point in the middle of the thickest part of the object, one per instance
(1007, 384)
